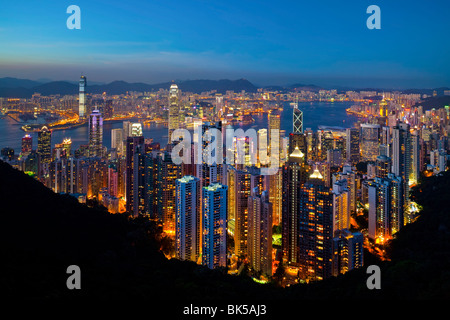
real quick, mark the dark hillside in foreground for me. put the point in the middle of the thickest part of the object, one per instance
(42, 233)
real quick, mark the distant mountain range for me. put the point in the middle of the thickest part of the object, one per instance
(25, 88)
(434, 102)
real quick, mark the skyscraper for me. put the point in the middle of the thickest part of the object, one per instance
(348, 253)
(136, 129)
(44, 149)
(126, 127)
(401, 159)
(383, 166)
(274, 122)
(174, 110)
(275, 180)
(133, 146)
(242, 185)
(188, 214)
(385, 207)
(169, 173)
(113, 179)
(369, 141)
(352, 145)
(298, 140)
(117, 140)
(260, 231)
(219, 105)
(139, 181)
(214, 225)
(294, 175)
(95, 134)
(82, 97)
(315, 239)
(208, 170)
(27, 145)
(341, 205)
(297, 119)
(414, 175)
(326, 143)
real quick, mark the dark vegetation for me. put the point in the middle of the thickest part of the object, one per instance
(42, 233)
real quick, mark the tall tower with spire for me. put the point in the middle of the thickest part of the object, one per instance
(174, 110)
(297, 118)
(82, 97)
(295, 174)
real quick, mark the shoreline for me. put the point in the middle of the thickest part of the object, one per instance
(72, 126)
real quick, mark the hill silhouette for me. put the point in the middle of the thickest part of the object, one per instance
(433, 102)
(43, 233)
(21, 88)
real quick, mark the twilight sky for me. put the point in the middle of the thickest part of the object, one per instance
(267, 42)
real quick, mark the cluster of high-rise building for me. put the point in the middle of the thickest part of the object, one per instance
(224, 214)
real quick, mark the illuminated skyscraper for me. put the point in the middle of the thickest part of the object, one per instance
(401, 159)
(126, 127)
(219, 105)
(348, 253)
(274, 121)
(117, 140)
(82, 97)
(385, 207)
(208, 171)
(136, 129)
(134, 145)
(174, 110)
(44, 149)
(315, 241)
(139, 181)
(188, 214)
(369, 141)
(242, 185)
(295, 173)
(27, 145)
(298, 140)
(260, 231)
(297, 121)
(351, 184)
(113, 179)
(383, 166)
(334, 157)
(214, 225)
(263, 158)
(326, 143)
(275, 180)
(414, 175)
(95, 134)
(169, 173)
(352, 145)
(341, 205)
(67, 146)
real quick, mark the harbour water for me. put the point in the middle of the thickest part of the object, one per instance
(315, 115)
